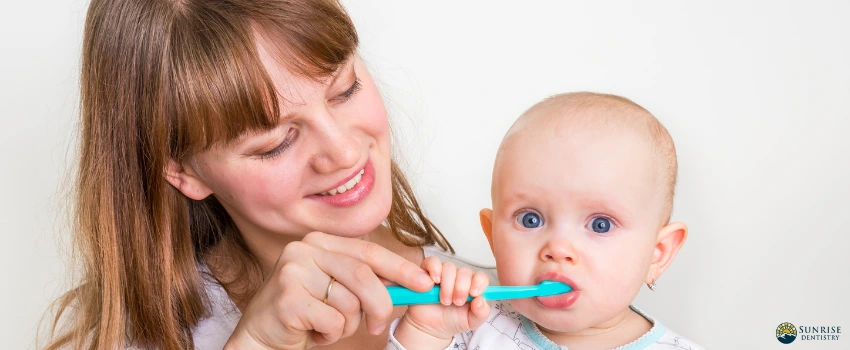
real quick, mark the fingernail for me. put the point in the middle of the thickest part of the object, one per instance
(380, 329)
(438, 279)
(458, 302)
(423, 279)
(474, 291)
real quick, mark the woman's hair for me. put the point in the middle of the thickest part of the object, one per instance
(161, 80)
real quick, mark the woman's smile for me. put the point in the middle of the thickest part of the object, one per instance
(351, 190)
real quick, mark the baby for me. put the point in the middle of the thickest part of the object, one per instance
(582, 194)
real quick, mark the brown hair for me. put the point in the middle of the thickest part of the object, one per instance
(160, 80)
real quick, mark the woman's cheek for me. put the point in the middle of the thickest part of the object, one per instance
(372, 111)
(267, 187)
(379, 125)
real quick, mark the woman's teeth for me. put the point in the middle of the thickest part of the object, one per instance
(346, 186)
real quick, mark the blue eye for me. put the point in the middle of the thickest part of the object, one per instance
(530, 220)
(600, 225)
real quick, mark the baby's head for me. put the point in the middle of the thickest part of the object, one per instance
(582, 193)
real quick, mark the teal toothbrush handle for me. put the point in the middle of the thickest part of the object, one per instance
(545, 288)
(404, 296)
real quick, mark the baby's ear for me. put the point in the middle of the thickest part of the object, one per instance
(486, 217)
(670, 239)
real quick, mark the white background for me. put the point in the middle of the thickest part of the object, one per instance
(756, 95)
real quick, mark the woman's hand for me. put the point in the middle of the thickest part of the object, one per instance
(432, 326)
(288, 311)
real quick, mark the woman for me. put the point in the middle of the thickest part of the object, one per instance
(235, 168)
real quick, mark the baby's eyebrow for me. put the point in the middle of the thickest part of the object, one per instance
(597, 202)
(511, 199)
(608, 206)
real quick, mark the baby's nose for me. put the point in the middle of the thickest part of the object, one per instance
(559, 250)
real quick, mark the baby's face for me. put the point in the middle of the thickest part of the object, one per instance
(583, 208)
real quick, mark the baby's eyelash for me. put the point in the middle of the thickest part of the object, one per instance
(594, 216)
(517, 213)
(614, 223)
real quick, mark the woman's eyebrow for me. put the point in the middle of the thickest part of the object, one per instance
(346, 67)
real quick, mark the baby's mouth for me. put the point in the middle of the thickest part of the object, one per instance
(560, 301)
(557, 277)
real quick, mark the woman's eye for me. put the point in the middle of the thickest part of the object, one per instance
(530, 220)
(290, 137)
(348, 94)
(600, 225)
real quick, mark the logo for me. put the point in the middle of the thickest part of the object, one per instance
(786, 333)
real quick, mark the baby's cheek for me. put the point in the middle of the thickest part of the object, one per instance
(513, 268)
(622, 281)
(509, 271)
(620, 292)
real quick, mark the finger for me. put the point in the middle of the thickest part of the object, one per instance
(383, 262)
(347, 304)
(462, 282)
(480, 280)
(447, 283)
(327, 324)
(359, 279)
(478, 312)
(434, 268)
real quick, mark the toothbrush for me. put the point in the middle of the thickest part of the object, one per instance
(404, 296)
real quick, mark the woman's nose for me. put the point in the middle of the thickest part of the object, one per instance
(559, 250)
(337, 146)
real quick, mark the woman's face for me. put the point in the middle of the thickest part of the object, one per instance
(326, 167)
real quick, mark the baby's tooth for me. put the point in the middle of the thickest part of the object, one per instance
(332, 192)
(361, 171)
(357, 178)
(341, 189)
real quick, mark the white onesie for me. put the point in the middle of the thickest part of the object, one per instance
(505, 328)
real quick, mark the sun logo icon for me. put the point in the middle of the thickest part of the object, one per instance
(786, 333)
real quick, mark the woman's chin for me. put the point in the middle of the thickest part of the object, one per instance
(352, 232)
(352, 226)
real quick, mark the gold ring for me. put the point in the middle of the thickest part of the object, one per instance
(329, 289)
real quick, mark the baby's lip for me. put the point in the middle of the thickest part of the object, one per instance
(557, 277)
